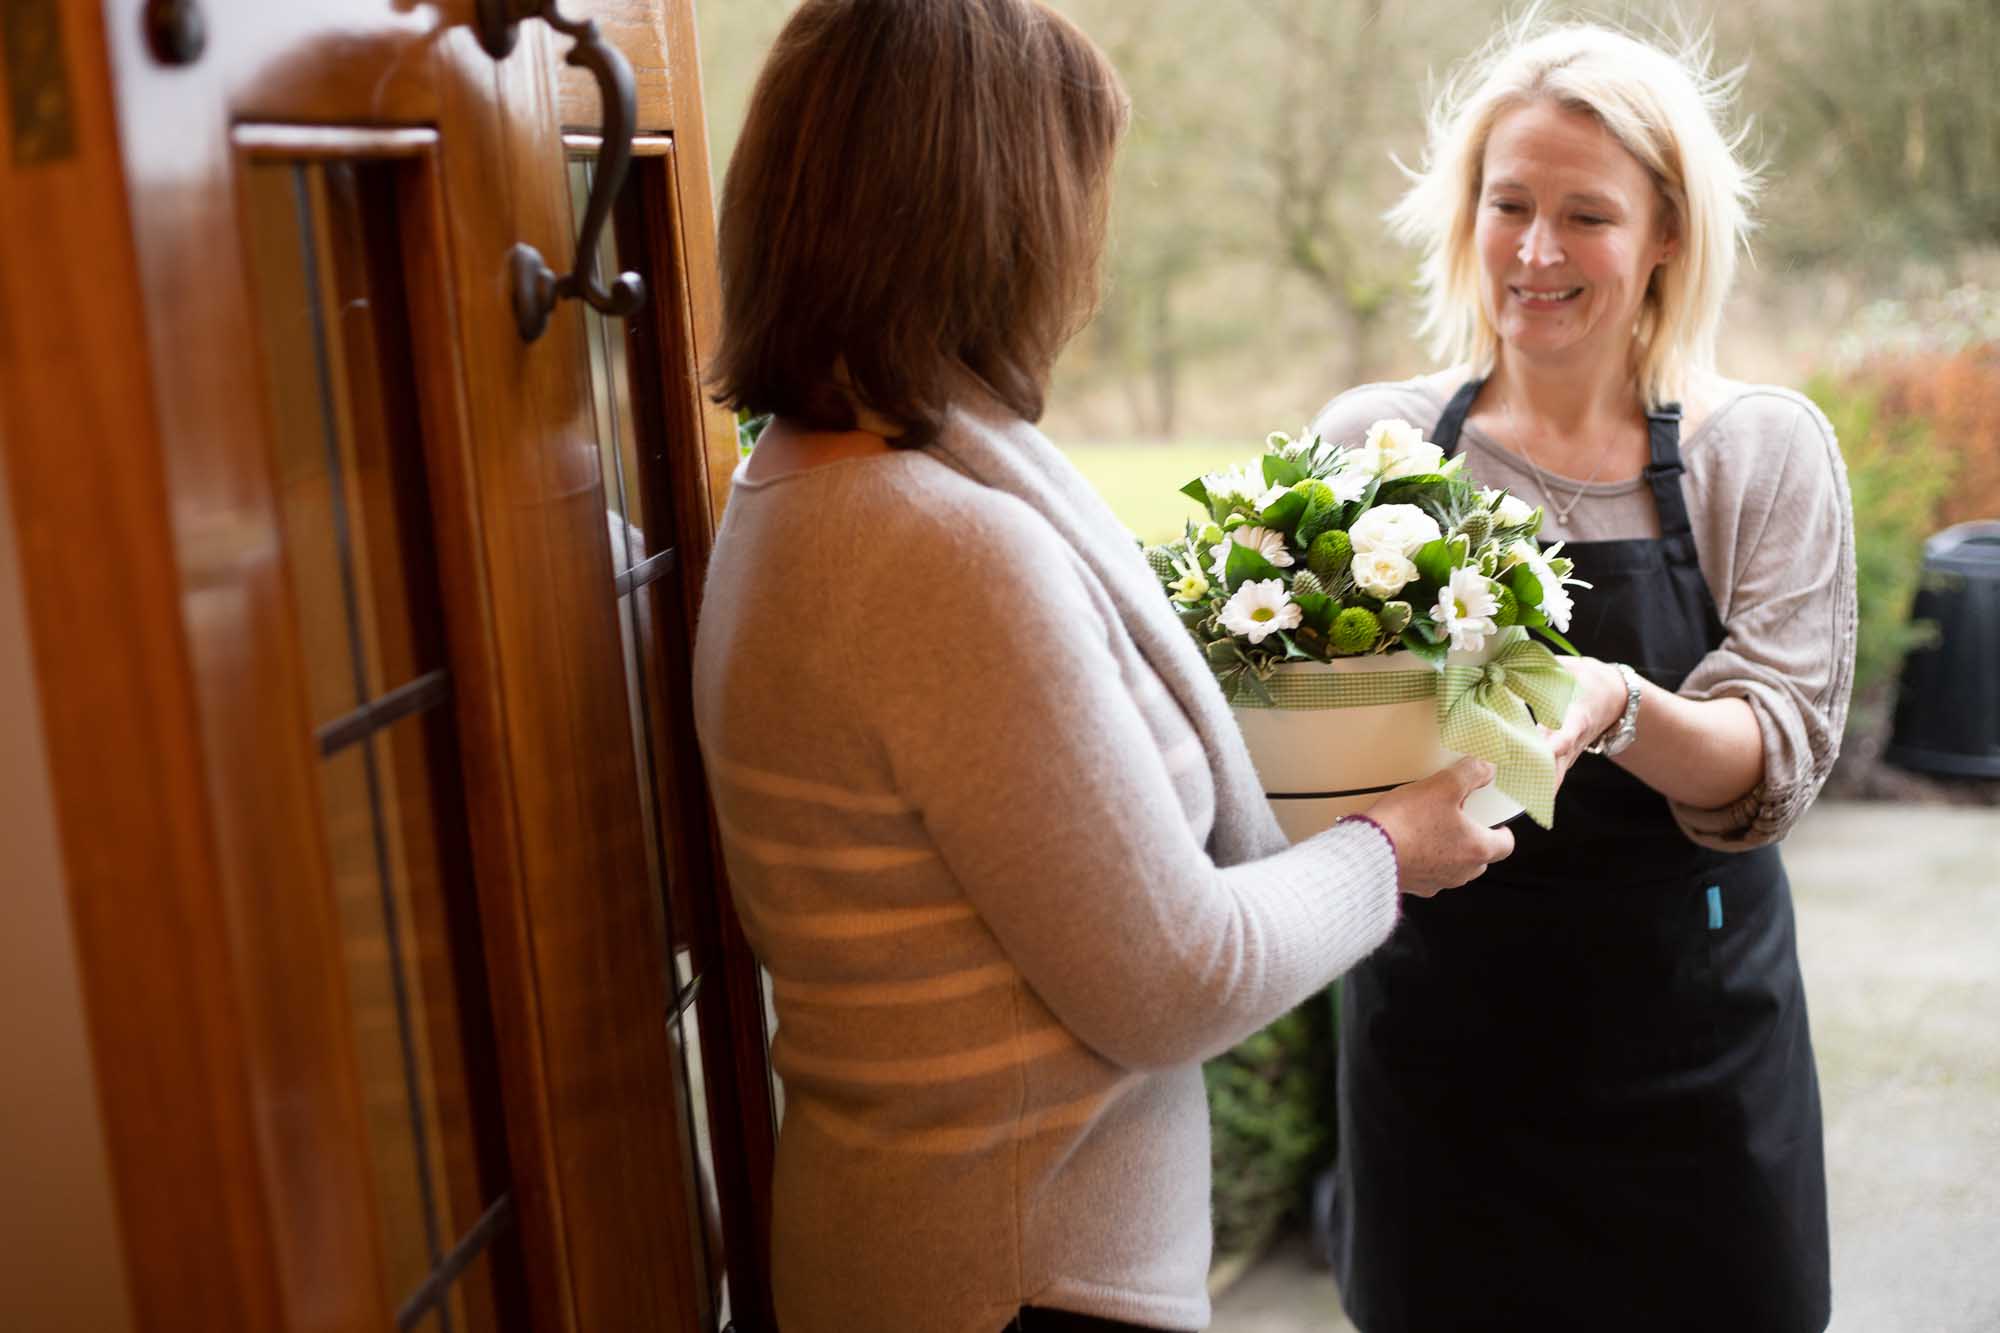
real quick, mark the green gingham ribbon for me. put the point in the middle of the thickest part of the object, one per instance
(1491, 711)
(1297, 690)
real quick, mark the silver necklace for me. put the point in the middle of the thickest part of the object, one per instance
(1547, 479)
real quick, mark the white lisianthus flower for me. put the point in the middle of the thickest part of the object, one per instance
(1398, 528)
(1465, 609)
(1393, 437)
(1416, 460)
(1267, 542)
(1382, 572)
(1260, 609)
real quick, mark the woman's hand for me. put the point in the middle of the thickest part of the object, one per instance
(1437, 846)
(1595, 708)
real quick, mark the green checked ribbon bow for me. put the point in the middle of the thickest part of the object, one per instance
(1491, 711)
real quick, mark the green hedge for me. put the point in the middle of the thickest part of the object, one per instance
(1898, 474)
(1271, 1107)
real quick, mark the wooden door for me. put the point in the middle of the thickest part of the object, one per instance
(361, 625)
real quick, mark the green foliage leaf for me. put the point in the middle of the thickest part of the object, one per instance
(1527, 588)
(1554, 638)
(1198, 492)
(1245, 566)
(1279, 471)
(1316, 610)
(1284, 512)
(1249, 686)
(1432, 653)
(1433, 561)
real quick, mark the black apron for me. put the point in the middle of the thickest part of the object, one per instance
(1579, 1092)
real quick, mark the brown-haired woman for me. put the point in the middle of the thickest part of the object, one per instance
(987, 818)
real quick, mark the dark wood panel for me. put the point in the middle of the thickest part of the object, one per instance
(741, 1115)
(638, 29)
(599, 984)
(102, 590)
(697, 209)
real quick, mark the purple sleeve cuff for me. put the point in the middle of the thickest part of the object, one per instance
(1364, 819)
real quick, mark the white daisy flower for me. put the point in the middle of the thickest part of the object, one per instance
(1267, 542)
(1260, 609)
(1236, 483)
(1382, 572)
(1465, 609)
(1556, 601)
(1351, 478)
(1399, 528)
(1271, 497)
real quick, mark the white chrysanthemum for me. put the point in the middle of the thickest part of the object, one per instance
(1267, 542)
(1351, 479)
(1398, 528)
(1382, 572)
(1465, 609)
(1271, 497)
(1556, 583)
(1236, 483)
(1260, 609)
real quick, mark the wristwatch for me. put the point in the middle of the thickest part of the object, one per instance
(1626, 729)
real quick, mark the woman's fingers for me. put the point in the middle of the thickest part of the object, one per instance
(1437, 846)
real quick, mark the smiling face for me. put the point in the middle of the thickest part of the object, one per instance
(1570, 228)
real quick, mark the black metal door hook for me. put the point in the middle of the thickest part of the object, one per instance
(536, 286)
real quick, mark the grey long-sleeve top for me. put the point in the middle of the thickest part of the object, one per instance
(1774, 529)
(979, 802)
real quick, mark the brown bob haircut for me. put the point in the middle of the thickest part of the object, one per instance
(919, 192)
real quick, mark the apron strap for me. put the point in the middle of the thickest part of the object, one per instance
(1445, 434)
(1664, 469)
(1663, 440)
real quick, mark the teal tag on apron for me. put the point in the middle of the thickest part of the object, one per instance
(1715, 907)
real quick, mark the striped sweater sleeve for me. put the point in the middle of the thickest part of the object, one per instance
(1007, 724)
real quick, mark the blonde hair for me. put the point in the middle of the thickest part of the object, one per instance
(1665, 108)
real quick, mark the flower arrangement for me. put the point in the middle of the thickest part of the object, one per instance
(1323, 550)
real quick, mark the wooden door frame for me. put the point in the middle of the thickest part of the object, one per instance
(154, 596)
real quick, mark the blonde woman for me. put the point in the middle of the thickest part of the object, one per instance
(1584, 1097)
(986, 815)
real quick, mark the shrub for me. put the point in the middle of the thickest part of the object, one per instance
(1271, 1109)
(1898, 475)
(1959, 395)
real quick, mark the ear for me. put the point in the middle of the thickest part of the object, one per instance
(1669, 222)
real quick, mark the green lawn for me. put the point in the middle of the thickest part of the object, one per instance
(1142, 482)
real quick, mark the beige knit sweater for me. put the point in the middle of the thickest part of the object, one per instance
(980, 798)
(1774, 530)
